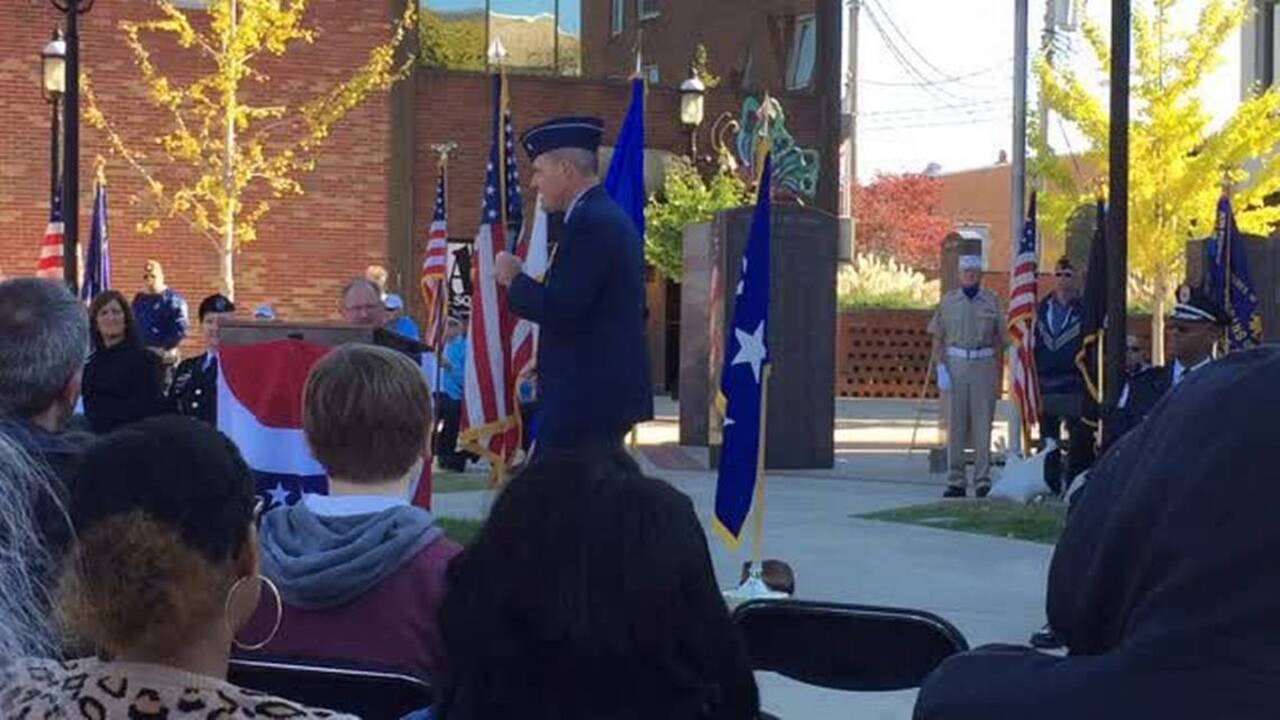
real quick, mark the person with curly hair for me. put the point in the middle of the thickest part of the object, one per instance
(162, 577)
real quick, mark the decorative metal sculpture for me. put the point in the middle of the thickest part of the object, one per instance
(795, 169)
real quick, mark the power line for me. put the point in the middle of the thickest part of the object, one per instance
(980, 120)
(910, 68)
(943, 76)
(934, 108)
(983, 71)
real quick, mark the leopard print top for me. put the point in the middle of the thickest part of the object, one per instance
(90, 689)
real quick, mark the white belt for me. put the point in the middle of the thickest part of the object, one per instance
(956, 352)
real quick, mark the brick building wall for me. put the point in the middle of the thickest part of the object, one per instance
(307, 245)
(455, 107)
(310, 245)
(730, 29)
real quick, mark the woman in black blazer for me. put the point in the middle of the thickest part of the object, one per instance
(123, 381)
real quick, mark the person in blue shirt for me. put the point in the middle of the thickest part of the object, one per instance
(593, 360)
(453, 368)
(400, 323)
(162, 315)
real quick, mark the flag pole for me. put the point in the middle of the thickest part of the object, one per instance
(757, 534)
(443, 149)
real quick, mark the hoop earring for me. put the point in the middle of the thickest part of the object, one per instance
(226, 616)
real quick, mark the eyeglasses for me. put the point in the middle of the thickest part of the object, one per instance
(371, 307)
(1134, 349)
(1064, 275)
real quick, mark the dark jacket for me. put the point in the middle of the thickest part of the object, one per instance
(195, 389)
(59, 453)
(1056, 349)
(1163, 584)
(122, 384)
(162, 318)
(593, 361)
(1144, 389)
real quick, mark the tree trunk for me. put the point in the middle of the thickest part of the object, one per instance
(1159, 309)
(230, 195)
(227, 271)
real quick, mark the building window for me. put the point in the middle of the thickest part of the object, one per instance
(192, 4)
(652, 75)
(804, 47)
(619, 16)
(649, 9)
(540, 36)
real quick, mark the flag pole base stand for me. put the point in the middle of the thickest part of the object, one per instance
(753, 588)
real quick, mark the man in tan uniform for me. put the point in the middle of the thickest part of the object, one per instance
(969, 335)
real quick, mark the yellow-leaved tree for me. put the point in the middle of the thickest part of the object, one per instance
(224, 158)
(1177, 161)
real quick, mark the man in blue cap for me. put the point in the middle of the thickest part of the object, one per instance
(593, 361)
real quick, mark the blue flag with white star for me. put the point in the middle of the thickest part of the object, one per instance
(742, 380)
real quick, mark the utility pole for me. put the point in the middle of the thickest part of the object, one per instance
(827, 84)
(851, 132)
(1018, 155)
(1117, 212)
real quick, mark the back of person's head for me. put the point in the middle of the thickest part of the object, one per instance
(589, 593)
(1172, 549)
(45, 335)
(26, 628)
(130, 322)
(366, 413)
(164, 513)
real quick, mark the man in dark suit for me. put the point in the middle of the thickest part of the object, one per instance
(195, 383)
(1195, 327)
(593, 361)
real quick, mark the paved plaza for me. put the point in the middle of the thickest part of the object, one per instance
(990, 588)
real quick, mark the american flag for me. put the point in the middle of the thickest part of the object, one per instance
(50, 264)
(435, 267)
(524, 341)
(1022, 320)
(490, 417)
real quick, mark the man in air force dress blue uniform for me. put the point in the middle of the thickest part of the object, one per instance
(593, 361)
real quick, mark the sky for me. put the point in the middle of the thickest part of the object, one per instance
(570, 10)
(957, 111)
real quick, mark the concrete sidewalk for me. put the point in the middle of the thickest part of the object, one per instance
(991, 589)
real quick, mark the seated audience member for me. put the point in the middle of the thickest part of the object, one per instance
(163, 575)
(26, 628)
(45, 334)
(123, 382)
(589, 593)
(361, 570)
(1163, 585)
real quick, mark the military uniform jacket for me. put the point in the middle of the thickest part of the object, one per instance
(593, 360)
(1144, 390)
(195, 389)
(162, 318)
(969, 324)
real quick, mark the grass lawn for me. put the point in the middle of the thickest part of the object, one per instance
(1041, 523)
(444, 481)
(459, 530)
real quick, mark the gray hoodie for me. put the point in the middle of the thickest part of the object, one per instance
(321, 561)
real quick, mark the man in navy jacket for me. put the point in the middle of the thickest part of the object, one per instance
(593, 361)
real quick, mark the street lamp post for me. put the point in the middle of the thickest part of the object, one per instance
(693, 94)
(72, 10)
(53, 84)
